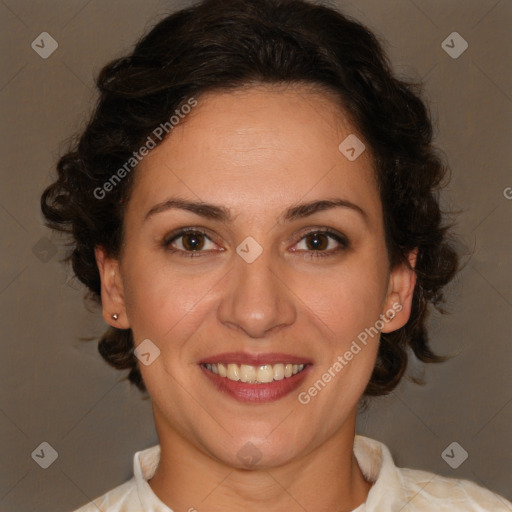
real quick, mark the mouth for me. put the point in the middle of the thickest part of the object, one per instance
(262, 374)
(255, 378)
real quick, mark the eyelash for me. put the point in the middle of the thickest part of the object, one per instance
(341, 239)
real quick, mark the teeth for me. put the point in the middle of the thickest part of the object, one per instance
(265, 373)
(223, 371)
(255, 374)
(278, 371)
(233, 372)
(247, 373)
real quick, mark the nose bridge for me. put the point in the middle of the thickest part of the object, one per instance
(256, 300)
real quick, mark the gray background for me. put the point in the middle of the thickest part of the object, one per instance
(56, 388)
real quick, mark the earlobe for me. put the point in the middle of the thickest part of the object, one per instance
(112, 295)
(398, 302)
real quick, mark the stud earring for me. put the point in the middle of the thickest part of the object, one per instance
(115, 316)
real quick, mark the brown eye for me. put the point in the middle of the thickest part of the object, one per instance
(322, 243)
(189, 241)
(316, 241)
(193, 241)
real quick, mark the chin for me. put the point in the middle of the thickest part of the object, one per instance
(252, 452)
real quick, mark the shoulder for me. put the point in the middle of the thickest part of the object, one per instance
(134, 495)
(122, 498)
(414, 490)
(425, 491)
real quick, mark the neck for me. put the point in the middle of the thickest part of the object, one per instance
(326, 479)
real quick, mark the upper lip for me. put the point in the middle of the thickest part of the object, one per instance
(254, 359)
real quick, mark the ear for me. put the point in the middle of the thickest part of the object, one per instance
(112, 294)
(398, 302)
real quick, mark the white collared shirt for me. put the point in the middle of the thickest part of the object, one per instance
(394, 489)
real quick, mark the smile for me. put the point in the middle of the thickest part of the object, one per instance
(261, 374)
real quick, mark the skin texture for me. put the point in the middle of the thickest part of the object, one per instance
(256, 152)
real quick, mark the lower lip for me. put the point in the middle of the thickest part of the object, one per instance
(257, 393)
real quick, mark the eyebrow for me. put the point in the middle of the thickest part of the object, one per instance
(222, 214)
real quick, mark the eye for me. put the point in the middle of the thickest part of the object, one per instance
(191, 241)
(323, 242)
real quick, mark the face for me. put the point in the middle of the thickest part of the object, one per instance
(283, 263)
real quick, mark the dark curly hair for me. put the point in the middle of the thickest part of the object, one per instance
(228, 44)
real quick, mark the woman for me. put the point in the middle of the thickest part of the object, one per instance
(254, 204)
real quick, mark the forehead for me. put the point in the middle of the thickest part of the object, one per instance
(257, 148)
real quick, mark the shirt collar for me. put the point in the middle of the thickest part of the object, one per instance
(145, 463)
(377, 466)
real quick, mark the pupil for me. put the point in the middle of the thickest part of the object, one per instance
(317, 243)
(192, 241)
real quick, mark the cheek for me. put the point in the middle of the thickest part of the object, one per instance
(347, 300)
(161, 301)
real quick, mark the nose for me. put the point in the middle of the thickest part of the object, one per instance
(256, 298)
